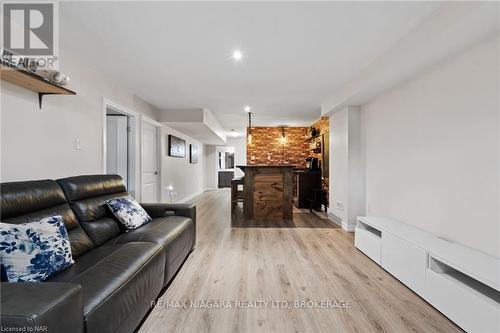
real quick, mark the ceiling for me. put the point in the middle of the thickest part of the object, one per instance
(445, 33)
(178, 54)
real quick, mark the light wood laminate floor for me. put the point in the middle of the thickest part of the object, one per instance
(311, 260)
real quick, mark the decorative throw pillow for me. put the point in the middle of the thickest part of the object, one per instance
(33, 252)
(128, 211)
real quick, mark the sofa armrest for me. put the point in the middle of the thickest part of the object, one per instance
(156, 210)
(45, 306)
(162, 210)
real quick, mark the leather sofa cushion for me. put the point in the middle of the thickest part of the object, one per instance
(24, 202)
(102, 230)
(96, 218)
(92, 209)
(28, 307)
(118, 283)
(89, 186)
(87, 196)
(19, 198)
(161, 231)
(175, 233)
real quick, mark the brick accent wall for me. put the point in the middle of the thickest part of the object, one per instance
(324, 127)
(267, 149)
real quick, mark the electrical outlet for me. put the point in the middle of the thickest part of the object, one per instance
(252, 158)
(340, 205)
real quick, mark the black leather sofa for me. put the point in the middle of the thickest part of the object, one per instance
(116, 275)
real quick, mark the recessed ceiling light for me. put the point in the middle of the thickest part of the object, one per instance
(247, 108)
(237, 55)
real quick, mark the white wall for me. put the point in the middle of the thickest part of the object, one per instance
(210, 158)
(356, 159)
(347, 196)
(187, 179)
(338, 191)
(432, 150)
(40, 144)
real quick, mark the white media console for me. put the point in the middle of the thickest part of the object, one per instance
(462, 283)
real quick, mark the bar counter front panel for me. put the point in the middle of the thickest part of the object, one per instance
(268, 192)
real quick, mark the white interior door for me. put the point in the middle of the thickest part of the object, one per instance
(117, 146)
(150, 178)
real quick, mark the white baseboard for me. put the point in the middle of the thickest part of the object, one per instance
(348, 227)
(338, 221)
(335, 219)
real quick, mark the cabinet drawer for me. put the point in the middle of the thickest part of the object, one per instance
(472, 305)
(368, 241)
(404, 261)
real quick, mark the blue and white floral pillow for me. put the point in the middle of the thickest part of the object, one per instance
(33, 252)
(128, 211)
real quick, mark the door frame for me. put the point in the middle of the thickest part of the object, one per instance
(134, 184)
(149, 121)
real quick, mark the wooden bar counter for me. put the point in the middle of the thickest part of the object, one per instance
(268, 192)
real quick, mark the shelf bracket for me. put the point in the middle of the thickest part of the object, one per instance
(40, 97)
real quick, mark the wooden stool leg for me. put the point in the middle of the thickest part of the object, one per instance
(234, 196)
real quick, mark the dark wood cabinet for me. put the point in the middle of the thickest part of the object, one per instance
(306, 182)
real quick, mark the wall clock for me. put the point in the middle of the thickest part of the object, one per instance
(176, 146)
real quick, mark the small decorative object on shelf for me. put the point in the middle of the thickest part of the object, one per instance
(8, 57)
(315, 145)
(28, 64)
(313, 131)
(54, 76)
(313, 134)
(59, 78)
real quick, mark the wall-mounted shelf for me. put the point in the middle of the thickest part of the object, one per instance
(312, 138)
(32, 82)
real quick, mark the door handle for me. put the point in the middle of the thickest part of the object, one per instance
(156, 172)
